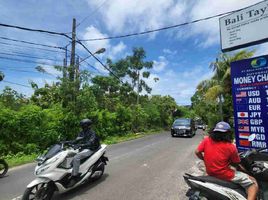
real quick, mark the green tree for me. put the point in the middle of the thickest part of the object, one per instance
(134, 67)
(12, 99)
(217, 89)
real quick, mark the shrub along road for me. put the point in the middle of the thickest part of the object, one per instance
(148, 168)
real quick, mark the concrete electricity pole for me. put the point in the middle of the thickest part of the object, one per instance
(72, 61)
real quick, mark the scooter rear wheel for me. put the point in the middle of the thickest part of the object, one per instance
(42, 191)
(98, 173)
(3, 168)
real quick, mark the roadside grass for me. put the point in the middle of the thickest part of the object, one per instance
(130, 136)
(20, 159)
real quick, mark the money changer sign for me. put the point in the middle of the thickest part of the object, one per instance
(250, 100)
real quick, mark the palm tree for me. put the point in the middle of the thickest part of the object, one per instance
(218, 89)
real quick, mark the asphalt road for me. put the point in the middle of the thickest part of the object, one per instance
(148, 168)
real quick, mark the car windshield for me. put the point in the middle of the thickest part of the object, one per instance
(182, 122)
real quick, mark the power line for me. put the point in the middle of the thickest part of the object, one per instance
(35, 30)
(32, 43)
(79, 42)
(85, 18)
(161, 29)
(16, 84)
(27, 56)
(92, 66)
(26, 61)
(26, 71)
(16, 45)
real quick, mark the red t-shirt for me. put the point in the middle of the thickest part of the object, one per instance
(217, 157)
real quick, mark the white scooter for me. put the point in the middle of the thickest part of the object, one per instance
(54, 169)
(211, 188)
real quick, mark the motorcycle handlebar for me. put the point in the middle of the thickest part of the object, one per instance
(261, 149)
(252, 151)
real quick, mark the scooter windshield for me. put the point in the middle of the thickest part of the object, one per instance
(53, 151)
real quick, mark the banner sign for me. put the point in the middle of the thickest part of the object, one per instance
(250, 100)
(245, 27)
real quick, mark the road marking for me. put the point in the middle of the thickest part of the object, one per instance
(18, 198)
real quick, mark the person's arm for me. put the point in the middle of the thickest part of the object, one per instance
(235, 160)
(199, 154)
(200, 149)
(92, 142)
(78, 138)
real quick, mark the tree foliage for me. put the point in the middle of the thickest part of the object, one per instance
(206, 100)
(31, 124)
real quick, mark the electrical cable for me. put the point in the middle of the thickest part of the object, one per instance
(92, 66)
(26, 56)
(32, 43)
(26, 61)
(79, 42)
(160, 29)
(26, 71)
(16, 84)
(35, 30)
(22, 53)
(16, 45)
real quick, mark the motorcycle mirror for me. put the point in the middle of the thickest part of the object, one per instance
(251, 137)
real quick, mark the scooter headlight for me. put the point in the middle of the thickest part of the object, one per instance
(41, 170)
(48, 162)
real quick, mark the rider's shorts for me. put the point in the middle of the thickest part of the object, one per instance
(242, 179)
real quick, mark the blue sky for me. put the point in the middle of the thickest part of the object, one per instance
(181, 55)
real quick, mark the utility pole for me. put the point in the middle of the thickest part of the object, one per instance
(72, 61)
(64, 70)
(64, 80)
(77, 73)
(138, 90)
(220, 96)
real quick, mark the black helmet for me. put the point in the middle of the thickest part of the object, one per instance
(85, 123)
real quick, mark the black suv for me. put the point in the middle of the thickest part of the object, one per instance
(183, 127)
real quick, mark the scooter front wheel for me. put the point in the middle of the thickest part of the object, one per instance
(42, 191)
(3, 168)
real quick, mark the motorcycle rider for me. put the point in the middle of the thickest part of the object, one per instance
(87, 142)
(218, 153)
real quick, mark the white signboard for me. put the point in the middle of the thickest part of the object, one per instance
(244, 28)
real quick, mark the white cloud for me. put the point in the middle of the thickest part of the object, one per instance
(169, 52)
(112, 51)
(262, 50)
(92, 32)
(160, 65)
(116, 50)
(139, 15)
(181, 86)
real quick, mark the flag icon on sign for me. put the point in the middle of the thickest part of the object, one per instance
(244, 143)
(242, 107)
(241, 101)
(243, 128)
(243, 121)
(242, 114)
(244, 135)
(241, 94)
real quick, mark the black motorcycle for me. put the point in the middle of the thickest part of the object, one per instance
(211, 188)
(3, 168)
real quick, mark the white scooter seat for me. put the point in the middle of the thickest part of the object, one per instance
(217, 181)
